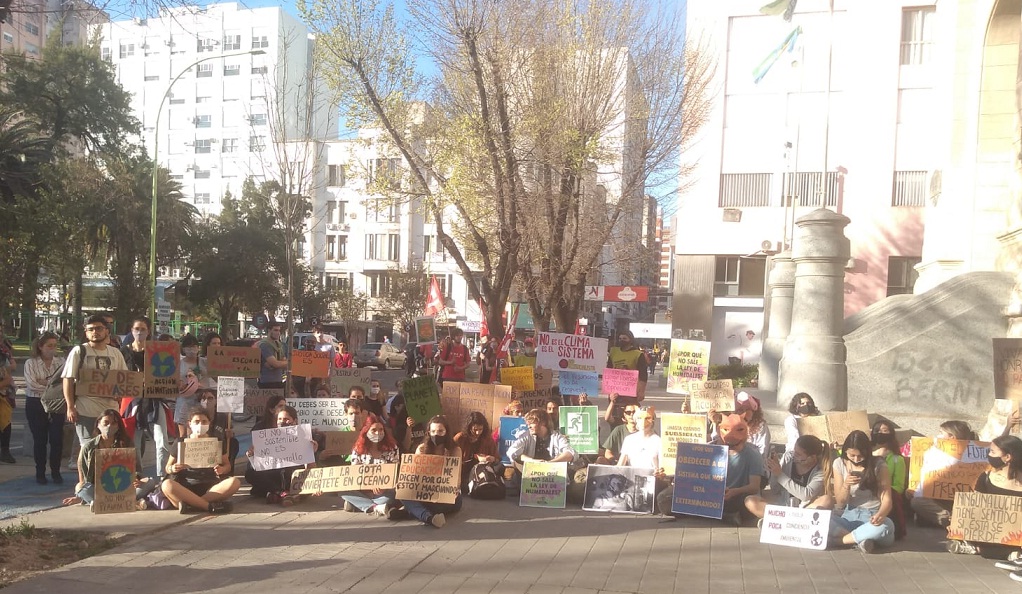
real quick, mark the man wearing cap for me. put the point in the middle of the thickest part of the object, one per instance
(625, 355)
(527, 358)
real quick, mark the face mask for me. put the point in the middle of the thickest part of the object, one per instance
(107, 431)
(804, 410)
(438, 440)
(375, 437)
(996, 463)
(858, 464)
(140, 335)
(199, 428)
(190, 351)
(374, 391)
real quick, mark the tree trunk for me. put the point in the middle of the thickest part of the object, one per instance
(76, 317)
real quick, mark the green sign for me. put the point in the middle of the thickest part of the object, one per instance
(581, 425)
(422, 400)
(544, 484)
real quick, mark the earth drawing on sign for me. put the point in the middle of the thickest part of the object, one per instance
(116, 479)
(164, 365)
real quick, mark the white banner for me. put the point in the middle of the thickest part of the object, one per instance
(796, 527)
(571, 351)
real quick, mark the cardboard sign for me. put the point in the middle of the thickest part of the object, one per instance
(422, 400)
(534, 399)
(338, 443)
(1008, 368)
(675, 427)
(282, 447)
(233, 361)
(256, 398)
(581, 425)
(544, 484)
(942, 467)
(542, 379)
(114, 481)
(425, 330)
(511, 428)
(623, 382)
(620, 489)
(689, 361)
(519, 378)
(459, 399)
(574, 383)
(105, 383)
(428, 478)
(162, 368)
(335, 479)
(834, 427)
(571, 351)
(795, 527)
(345, 377)
(709, 395)
(323, 413)
(700, 477)
(200, 452)
(979, 517)
(1002, 414)
(230, 394)
(310, 364)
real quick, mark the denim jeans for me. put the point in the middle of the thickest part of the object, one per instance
(424, 511)
(161, 440)
(84, 427)
(88, 491)
(46, 429)
(365, 500)
(856, 521)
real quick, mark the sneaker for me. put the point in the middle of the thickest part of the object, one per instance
(961, 547)
(221, 507)
(759, 523)
(141, 505)
(377, 511)
(6, 457)
(287, 500)
(184, 508)
(1016, 575)
(396, 513)
(1015, 557)
(1009, 565)
(865, 546)
(348, 507)
(57, 479)
(272, 498)
(438, 520)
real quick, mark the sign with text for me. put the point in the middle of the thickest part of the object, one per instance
(230, 394)
(571, 351)
(1008, 368)
(1003, 413)
(428, 478)
(573, 383)
(544, 484)
(234, 361)
(689, 362)
(620, 489)
(461, 398)
(700, 477)
(511, 428)
(326, 414)
(711, 395)
(795, 527)
(425, 330)
(335, 479)
(980, 517)
(675, 427)
(834, 426)
(105, 383)
(282, 447)
(616, 293)
(200, 452)
(422, 400)
(942, 467)
(542, 379)
(519, 378)
(533, 399)
(581, 425)
(114, 481)
(338, 443)
(256, 398)
(623, 382)
(310, 364)
(345, 377)
(162, 368)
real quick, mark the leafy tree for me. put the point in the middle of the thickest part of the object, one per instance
(403, 303)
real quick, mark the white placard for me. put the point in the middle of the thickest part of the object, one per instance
(798, 527)
(326, 414)
(230, 394)
(571, 351)
(282, 447)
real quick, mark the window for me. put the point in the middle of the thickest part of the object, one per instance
(232, 42)
(917, 26)
(342, 247)
(331, 247)
(201, 173)
(151, 77)
(230, 145)
(178, 101)
(432, 249)
(374, 246)
(337, 247)
(386, 172)
(127, 50)
(258, 89)
(394, 247)
(901, 274)
(742, 190)
(203, 121)
(257, 119)
(202, 147)
(804, 188)
(331, 207)
(257, 143)
(386, 211)
(232, 70)
(739, 277)
(259, 41)
(259, 70)
(105, 52)
(335, 175)
(336, 212)
(379, 284)
(203, 99)
(202, 198)
(31, 49)
(445, 281)
(205, 71)
(909, 188)
(204, 45)
(31, 29)
(340, 282)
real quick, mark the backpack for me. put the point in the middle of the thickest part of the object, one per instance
(486, 483)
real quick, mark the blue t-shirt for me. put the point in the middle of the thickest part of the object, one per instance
(269, 374)
(742, 465)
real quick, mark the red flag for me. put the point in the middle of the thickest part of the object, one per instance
(434, 299)
(504, 348)
(484, 328)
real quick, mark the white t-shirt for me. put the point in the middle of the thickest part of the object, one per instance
(105, 358)
(642, 451)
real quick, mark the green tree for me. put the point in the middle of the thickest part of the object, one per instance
(403, 303)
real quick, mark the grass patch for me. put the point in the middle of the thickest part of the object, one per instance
(26, 550)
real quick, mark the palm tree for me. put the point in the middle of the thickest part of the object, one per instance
(22, 150)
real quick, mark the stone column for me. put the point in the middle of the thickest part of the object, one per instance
(781, 282)
(814, 353)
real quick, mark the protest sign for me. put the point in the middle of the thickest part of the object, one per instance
(581, 425)
(459, 399)
(700, 477)
(689, 361)
(256, 398)
(571, 351)
(942, 467)
(233, 361)
(533, 399)
(544, 484)
(106, 383)
(573, 383)
(114, 481)
(511, 428)
(230, 394)
(835, 426)
(282, 447)
(621, 489)
(162, 368)
(519, 378)
(709, 395)
(428, 478)
(200, 452)
(675, 427)
(623, 382)
(1008, 368)
(795, 527)
(335, 479)
(422, 400)
(310, 364)
(338, 443)
(425, 330)
(326, 414)
(1002, 414)
(345, 377)
(542, 379)
(979, 517)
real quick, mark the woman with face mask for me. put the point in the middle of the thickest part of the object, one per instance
(885, 447)
(110, 433)
(192, 372)
(274, 484)
(1003, 478)
(147, 417)
(374, 445)
(936, 512)
(439, 441)
(802, 405)
(47, 428)
(862, 488)
(201, 489)
(477, 447)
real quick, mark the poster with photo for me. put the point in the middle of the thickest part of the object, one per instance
(620, 489)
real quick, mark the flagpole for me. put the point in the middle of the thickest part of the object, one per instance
(825, 185)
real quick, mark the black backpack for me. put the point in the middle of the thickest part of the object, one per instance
(486, 483)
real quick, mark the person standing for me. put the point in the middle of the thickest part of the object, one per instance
(151, 414)
(527, 358)
(625, 355)
(343, 359)
(96, 353)
(7, 392)
(271, 351)
(454, 358)
(47, 428)
(324, 344)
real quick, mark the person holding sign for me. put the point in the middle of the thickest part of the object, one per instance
(625, 355)
(798, 479)
(272, 361)
(802, 405)
(273, 484)
(438, 442)
(542, 443)
(936, 512)
(201, 489)
(96, 353)
(642, 448)
(748, 407)
(862, 487)
(152, 416)
(612, 445)
(110, 432)
(375, 445)
(1003, 478)
(477, 447)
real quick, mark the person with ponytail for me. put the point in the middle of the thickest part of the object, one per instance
(798, 479)
(1003, 478)
(439, 441)
(374, 445)
(862, 489)
(885, 446)
(109, 432)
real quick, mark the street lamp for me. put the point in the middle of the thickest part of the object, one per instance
(156, 166)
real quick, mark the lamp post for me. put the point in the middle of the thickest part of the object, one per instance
(156, 167)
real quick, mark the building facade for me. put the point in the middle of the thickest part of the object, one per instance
(31, 23)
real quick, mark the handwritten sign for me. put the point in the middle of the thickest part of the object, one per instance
(533, 399)
(200, 452)
(230, 394)
(689, 361)
(573, 383)
(1003, 413)
(835, 426)
(571, 351)
(233, 361)
(335, 479)
(115, 474)
(620, 489)
(323, 413)
(979, 517)
(519, 378)
(581, 425)
(162, 368)
(623, 382)
(511, 428)
(310, 364)
(675, 427)
(422, 400)
(428, 478)
(544, 484)
(105, 383)
(942, 467)
(795, 527)
(256, 398)
(459, 399)
(1008, 368)
(345, 377)
(338, 443)
(542, 379)
(282, 447)
(711, 395)
(425, 330)
(700, 477)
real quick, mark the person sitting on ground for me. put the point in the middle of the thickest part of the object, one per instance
(542, 443)
(642, 448)
(323, 391)
(357, 392)
(614, 415)
(1003, 478)
(274, 484)
(375, 400)
(207, 400)
(798, 479)
(513, 409)
(477, 447)
(759, 433)
(936, 512)
(885, 446)
(201, 489)
(268, 418)
(862, 487)
(553, 410)
(612, 445)
(801, 406)
(397, 417)
(375, 445)
(438, 442)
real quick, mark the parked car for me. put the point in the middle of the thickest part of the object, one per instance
(381, 355)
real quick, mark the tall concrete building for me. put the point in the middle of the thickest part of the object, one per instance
(31, 23)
